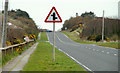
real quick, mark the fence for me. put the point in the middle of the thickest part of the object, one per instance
(12, 48)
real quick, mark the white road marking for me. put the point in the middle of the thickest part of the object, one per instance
(97, 50)
(115, 54)
(65, 42)
(74, 59)
(108, 52)
(102, 51)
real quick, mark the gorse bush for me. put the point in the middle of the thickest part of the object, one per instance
(99, 38)
(92, 38)
(8, 43)
(17, 41)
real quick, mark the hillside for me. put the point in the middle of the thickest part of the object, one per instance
(19, 24)
(90, 26)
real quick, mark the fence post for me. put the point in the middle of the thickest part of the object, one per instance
(12, 49)
(5, 52)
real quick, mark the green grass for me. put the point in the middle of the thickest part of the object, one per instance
(0, 59)
(43, 36)
(8, 57)
(41, 60)
(73, 36)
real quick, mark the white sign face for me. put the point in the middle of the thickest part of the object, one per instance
(53, 16)
(50, 18)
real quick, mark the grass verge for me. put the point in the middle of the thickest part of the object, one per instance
(43, 36)
(41, 60)
(73, 36)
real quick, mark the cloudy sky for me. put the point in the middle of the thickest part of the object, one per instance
(39, 9)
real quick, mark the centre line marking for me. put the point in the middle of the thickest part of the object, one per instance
(107, 52)
(102, 51)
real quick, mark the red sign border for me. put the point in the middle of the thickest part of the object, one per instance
(57, 14)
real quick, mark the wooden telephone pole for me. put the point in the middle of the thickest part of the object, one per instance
(4, 29)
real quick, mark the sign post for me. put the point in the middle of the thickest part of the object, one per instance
(53, 17)
(54, 42)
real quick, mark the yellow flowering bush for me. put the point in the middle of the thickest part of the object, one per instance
(25, 35)
(8, 43)
(19, 49)
(107, 39)
(17, 41)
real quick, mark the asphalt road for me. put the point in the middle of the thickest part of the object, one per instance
(91, 57)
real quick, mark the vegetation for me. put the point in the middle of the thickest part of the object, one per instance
(21, 24)
(18, 13)
(44, 36)
(88, 14)
(91, 28)
(42, 59)
(18, 51)
(75, 37)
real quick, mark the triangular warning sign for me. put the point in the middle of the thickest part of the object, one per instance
(53, 16)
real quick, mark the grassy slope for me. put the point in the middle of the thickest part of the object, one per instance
(41, 60)
(76, 38)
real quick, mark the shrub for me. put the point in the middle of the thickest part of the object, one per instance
(99, 38)
(8, 43)
(17, 41)
(19, 49)
(91, 37)
(107, 39)
(114, 37)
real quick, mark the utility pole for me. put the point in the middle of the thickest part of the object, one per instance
(4, 29)
(103, 27)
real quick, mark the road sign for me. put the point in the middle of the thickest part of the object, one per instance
(53, 16)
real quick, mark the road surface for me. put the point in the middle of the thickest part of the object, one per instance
(91, 57)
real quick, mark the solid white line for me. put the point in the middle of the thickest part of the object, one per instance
(66, 36)
(65, 42)
(108, 48)
(77, 61)
(74, 59)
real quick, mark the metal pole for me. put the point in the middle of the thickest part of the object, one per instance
(103, 27)
(4, 31)
(54, 41)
